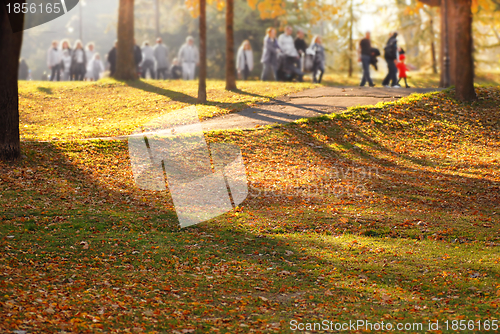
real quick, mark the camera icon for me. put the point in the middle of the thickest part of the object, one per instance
(204, 181)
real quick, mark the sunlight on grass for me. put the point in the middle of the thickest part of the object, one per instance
(69, 110)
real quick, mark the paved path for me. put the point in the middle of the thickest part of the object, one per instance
(309, 103)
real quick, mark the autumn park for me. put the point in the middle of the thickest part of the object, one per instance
(250, 166)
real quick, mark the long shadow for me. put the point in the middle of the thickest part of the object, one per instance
(181, 97)
(445, 184)
(45, 90)
(217, 264)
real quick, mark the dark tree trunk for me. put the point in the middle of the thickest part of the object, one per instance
(448, 34)
(202, 83)
(464, 71)
(125, 64)
(230, 64)
(10, 50)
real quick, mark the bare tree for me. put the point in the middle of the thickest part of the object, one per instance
(202, 83)
(10, 50)
(125, 64)
(230, 64)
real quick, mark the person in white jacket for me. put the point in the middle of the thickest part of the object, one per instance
(89, 53)
(54, 61)
(148, 60)
(189, 57)
(66, 64)
(161, 56)
(290, 53)
(96, 67)
(244, 60)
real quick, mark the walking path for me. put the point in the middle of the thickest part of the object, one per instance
(309, 103)
(305, 104)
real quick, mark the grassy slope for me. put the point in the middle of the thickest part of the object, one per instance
(68, 110)
(388, 214)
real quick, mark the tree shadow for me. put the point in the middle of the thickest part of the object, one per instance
(45, 90)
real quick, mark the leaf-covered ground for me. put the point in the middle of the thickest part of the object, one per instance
(379, 214)
(69, 110)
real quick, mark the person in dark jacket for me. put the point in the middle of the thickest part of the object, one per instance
(365, 53)
(374, 61)
(112, 60)
(300, 43)
(175, 69)
(23, 70)
(78, 62)
(137, 56)
(391, 57)
(269, 58)
(319, 58)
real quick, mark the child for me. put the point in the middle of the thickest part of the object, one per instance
(96, 67)
(176, 69)
(66, 64)
(402, 68)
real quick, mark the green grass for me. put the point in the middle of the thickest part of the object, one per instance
(381, 214)
(69, 110)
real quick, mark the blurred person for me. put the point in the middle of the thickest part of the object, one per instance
(403, 69)
(65, 67)
(66, 64)
(391, 57)
(300, 43)
(161, 56)
(189, 57)
(301, 47)
(112, 59)
(89, 53)
(78, 62)
(319, 58)
(148, 61)
(244, 60)
(291, 61)
(269, 58)
(96, 67)
(175, 69)
(24, 71)
(54, 62)
(137, 57)
(365, 56)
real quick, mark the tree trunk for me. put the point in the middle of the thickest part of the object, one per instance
(10, 50)
(125, 64)
(157, 18)
(464, 72)
(202, 83)
(448, 41)
(230, 64)
(433, 44)
(351, 46)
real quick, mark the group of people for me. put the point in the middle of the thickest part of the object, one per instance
(75, 64)
(154, 60)
(285, 58)
(394, 56)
